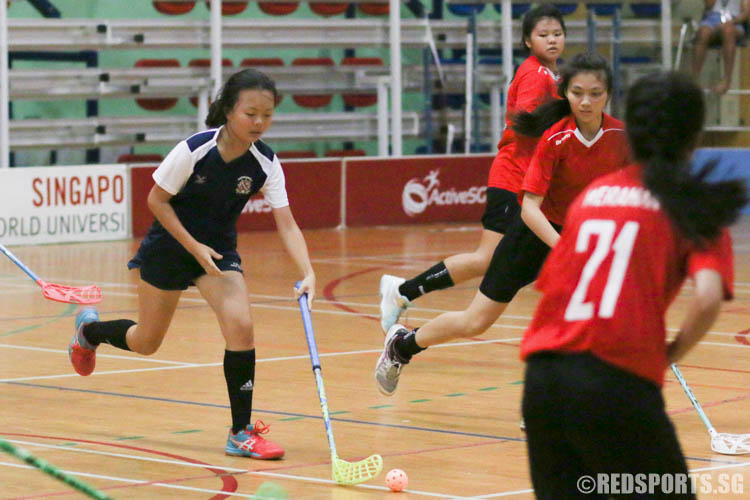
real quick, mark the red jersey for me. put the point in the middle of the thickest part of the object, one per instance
(609, 280)
(533, 85)
(564, 163)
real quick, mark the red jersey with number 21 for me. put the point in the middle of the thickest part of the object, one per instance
(608, 282)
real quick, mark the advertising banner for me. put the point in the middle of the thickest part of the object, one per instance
(64, 204)
(416, 190)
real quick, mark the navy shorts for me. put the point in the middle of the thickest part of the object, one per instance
(177, 269)
(502, 206)
(517, 260)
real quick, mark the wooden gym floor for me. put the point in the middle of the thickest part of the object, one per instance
(155, 427)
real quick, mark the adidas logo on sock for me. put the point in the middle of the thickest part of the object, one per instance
(248, 386)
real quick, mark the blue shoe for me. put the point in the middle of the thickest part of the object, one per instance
(81, 352)
(392, 303)
(250, 443)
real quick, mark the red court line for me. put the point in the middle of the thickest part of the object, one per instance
(712, 368)
(229, 484)
(328, 292)
(711, 404)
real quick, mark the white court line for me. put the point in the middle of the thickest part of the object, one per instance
(220, 363)
(180, 463)
(111, 356)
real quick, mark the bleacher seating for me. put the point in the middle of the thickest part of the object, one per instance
(278, 9)
(296, 153)
(465, 9)
(317, 100)
(230, 8)
(173, 8)
(140, 158)
(603, 9)
(343, 153)
(206, 63)
(360, 100)
(155, 103)
(328, 9)
(375, 9)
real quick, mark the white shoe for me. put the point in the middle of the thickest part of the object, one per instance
(522, 425)
(388, 368)
(392, 303)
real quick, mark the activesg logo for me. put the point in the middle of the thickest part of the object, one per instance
(419, 194)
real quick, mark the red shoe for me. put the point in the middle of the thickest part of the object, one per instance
(250, 443)
(82, 354)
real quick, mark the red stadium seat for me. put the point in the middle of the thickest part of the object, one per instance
(313, 101)
(360, 100)
(278, 9)
(375, 9)
(262, 61)
(299, 153)
(254, 62)
(328, 9)
(229, 8)
(174, 8)
(140, 158)
(205, 63)
(157, 103)
(341, 153)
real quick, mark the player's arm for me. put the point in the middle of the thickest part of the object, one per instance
(295, 245)
(702, 312)
(531, 213)
(744, 12)
(158, 203)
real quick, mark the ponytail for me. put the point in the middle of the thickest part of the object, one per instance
(664, 117)
(543, 117)
(534, 123)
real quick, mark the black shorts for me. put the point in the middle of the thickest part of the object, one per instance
(177, 269)
(585, 417)
(502, 206)
(517, 260)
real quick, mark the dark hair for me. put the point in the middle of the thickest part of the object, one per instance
(247, 79)
(544, 116)
(532, 17)
(664, 115)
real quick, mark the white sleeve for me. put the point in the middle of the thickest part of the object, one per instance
(274, 189)
(175, 170)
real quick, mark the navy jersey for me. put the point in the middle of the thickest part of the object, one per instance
(209, 194)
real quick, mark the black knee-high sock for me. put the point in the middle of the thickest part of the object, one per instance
(406, 346)
(239, 371)
(108, 332)
(435, 278)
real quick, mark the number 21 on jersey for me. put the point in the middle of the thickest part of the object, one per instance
(622, 246)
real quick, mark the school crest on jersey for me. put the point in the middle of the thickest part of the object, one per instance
(244, 185)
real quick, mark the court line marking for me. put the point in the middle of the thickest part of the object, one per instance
(235, 470)
(220, 363)
(162, 484)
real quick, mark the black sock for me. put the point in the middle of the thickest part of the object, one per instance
(406, 346)
(435, 278)
(239, 371)
(108, 332)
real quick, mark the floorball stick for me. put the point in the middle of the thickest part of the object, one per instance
(68, 294)
(721, 442)
(345, 473)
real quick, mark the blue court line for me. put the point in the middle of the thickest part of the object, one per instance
(273, 412)
(302, 415)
